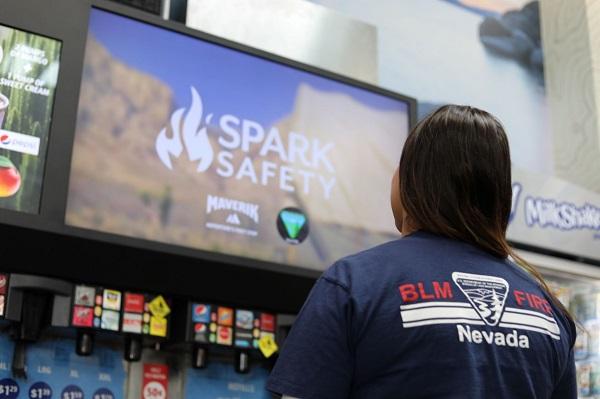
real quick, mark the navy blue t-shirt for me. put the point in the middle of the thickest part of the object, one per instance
(427, 317)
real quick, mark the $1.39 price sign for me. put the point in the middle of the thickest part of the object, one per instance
(40, 390)
(103, 393)
(156, 380)
(71, 392)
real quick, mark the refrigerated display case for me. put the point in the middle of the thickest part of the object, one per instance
(577, 286)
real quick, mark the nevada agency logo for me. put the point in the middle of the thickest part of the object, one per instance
(487, 294)
(187, 132)
(483, 318)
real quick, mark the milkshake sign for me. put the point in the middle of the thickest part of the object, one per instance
(302, 164)
(560, 215)
(565, 217)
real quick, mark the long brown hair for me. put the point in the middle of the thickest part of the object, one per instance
(455, 181)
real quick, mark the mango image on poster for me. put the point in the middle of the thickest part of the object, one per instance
(10, 178)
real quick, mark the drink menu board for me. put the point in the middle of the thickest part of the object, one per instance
(29, 65)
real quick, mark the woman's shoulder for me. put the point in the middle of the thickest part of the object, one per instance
(390, 257)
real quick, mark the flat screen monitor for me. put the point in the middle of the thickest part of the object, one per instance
(29, 65)
(186, 140)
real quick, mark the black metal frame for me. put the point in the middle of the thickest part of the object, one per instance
(155, 6)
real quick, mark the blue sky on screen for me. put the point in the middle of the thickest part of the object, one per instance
(229, 81)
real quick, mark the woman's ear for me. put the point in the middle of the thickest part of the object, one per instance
(397, 210)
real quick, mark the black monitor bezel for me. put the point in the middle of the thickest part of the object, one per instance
(72, 35)
(219, 257)
(51, 217)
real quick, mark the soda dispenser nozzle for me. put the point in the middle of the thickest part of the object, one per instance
(18, 362)
(199, 356)
(34, 316)
(242, 362)
(33, 304)
(133, 348)
(85, 343)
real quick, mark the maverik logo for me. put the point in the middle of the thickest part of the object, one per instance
(304, 163)
(214, 204)
(487, 294)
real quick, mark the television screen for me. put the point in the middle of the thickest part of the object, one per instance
(187, 142)
(29, 65)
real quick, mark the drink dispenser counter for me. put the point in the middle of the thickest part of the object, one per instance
(33, 303)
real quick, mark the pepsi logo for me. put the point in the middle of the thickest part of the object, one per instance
(200, 310)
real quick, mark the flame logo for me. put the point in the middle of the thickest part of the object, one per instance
(188, 132)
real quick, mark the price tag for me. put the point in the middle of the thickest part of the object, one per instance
(267, 345)
(103, 393)
(155, 382)
(9, 389)
(71, 392)
(154, 390)
(40, 390)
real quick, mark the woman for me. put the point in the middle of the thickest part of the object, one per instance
(443, 312)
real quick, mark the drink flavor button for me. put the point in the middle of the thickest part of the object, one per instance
(85, 296)
(3, 284)
(112, 300)
(158, 326)
(159, 307)
(134, 303)
(267, 345)
(200, 313)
